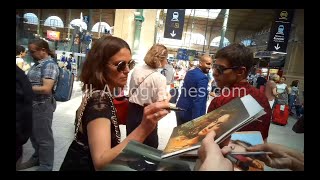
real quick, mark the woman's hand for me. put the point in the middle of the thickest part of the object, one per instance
(281, 158)
(153, 113)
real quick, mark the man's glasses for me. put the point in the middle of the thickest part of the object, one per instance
(31, 52)
(220, 69)
(121, 66)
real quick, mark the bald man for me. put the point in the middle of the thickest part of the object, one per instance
(194, 92)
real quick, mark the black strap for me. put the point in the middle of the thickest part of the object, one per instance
(134, 90)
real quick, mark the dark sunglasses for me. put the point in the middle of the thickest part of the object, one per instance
(121, 66)
(220, 69)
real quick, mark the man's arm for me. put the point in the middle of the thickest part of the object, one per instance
(46, 88)
(49, 75)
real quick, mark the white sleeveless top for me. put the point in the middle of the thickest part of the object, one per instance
(281, 88)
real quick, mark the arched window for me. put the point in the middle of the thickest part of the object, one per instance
(78, 22)
(197, 38)
(103, 27)
(54, 21)
(216, 41)
(32, 18)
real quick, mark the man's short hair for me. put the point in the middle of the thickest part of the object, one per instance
(237, 55)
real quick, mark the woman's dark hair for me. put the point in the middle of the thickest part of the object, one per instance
(40, 43)
(237, 55)
(95, 72)
(284, 77)
(19, 49)
(295, 83)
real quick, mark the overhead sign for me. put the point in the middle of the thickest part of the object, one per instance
(174, 23)
(53, 35)
(280, 31)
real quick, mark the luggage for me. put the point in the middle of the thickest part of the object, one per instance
(280, 114)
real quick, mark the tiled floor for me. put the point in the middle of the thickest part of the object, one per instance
(63, 129)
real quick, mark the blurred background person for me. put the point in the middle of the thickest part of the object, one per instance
(43, 81)
(293, 95)
(261, 81)
(282, 91)
(271, 89)
(70, 61)
(168, 72)
(20, 54)
(193, 96)
(147, 86)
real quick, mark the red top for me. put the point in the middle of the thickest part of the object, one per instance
(224, 98)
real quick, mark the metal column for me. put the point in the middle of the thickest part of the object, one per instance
(138, 17)
(224, 27)
(205, 34)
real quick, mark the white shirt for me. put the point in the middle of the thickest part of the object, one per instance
(281, 88)
(151, 90)
(19, 60)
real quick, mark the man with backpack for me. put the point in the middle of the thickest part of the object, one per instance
(43, 77)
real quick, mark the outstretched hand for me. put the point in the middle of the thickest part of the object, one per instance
(281, 158)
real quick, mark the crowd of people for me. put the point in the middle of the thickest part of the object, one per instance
(106, 68)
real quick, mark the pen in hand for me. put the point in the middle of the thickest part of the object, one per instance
(172, 108)
(242, 165)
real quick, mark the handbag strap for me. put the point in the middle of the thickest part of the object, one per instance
(135, 89)
(114, 119)
(84, 102)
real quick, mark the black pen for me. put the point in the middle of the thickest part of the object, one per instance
(242, 165)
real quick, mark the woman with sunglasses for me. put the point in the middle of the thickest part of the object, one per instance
(97, 136)
(146, 86)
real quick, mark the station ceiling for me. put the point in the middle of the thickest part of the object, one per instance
(239, 19)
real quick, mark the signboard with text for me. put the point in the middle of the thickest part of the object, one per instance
(280, 30)
(174, 23)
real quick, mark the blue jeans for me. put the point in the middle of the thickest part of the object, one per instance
(42, 136)
(292, 99)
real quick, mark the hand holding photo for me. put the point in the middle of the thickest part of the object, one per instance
(224, 121)
(250, 153)
(239, 142)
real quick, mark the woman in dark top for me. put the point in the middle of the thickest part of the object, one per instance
(97, 134)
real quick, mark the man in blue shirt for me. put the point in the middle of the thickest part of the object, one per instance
(63, 57)
(194, 92)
